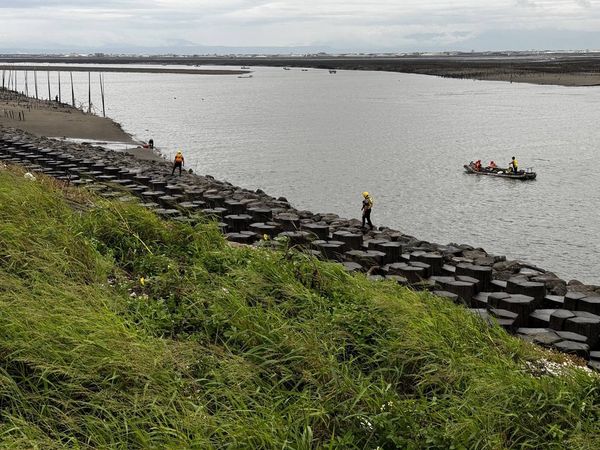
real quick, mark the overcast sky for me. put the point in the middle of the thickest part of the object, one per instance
(360, 25)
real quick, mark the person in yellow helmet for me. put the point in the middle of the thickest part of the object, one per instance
(179, 162)
(367, 205)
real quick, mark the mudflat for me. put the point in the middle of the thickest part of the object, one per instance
(44, 118)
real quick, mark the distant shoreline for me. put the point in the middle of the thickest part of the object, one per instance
(191, 71)
(546, 69)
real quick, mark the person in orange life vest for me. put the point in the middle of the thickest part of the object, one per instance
(492, 165)
(179, 162)
(478, 165)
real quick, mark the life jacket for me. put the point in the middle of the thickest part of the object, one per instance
(178, 158)
(368, 203)
(515, 164)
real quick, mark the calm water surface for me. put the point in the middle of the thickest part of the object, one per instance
(321, 139)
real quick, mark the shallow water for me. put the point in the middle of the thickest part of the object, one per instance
(321, 139)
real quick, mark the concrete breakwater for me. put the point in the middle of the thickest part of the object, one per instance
(528, 301)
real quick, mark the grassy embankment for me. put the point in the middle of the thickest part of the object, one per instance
(244, 348)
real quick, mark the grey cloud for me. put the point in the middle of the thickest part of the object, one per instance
(29, 4)
(584, 3)
(356, 24)
(526, 3)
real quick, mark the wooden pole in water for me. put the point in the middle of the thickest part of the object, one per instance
(3, 73)
(72, 91)
(59, 90)
(49, 94)
(35, 81)
(102, 93)
(89, 92)
(26, 84)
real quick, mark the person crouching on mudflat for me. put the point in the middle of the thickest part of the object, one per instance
(179, 162)
(367, 205)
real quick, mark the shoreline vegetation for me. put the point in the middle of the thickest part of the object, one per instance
(121, 330)
(562, 69)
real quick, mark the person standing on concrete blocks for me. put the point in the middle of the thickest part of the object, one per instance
(367, 205)
(179, 162)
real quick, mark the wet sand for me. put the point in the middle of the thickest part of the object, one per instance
(58, 120)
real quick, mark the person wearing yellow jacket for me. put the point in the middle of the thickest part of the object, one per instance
(514, 165)
(179, 162)
(367, 205)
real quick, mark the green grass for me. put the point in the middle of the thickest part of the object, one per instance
(225, 347)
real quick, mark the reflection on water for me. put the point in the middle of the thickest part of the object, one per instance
(322, 139)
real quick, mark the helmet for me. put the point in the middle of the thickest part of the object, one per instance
(365, 194)
(179, 152)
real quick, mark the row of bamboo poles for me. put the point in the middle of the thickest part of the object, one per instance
(10, 81)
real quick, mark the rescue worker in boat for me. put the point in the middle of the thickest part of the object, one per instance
(367, 205)
(492, 165)
(514, 166)
(478, 165)
(178, 162)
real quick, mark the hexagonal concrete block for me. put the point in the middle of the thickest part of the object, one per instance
(480, 300)
(589, 304)
(529, 288)
(558, 318)
(541, 318)
(553, 302)
(495, 297)
(522, 305)
(572, 300)
(586, 326)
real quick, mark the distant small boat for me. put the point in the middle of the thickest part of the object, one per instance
(332, 71)
(502, 173)
(245, 76)
(286, 68)
(245, 67)
(304, 70)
